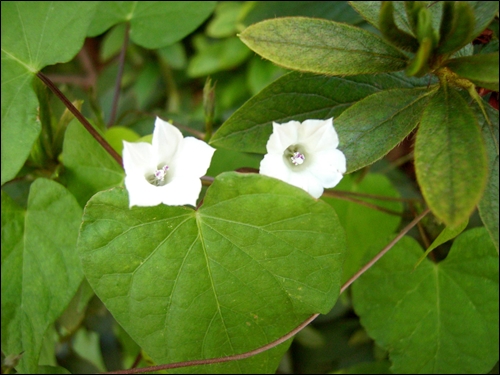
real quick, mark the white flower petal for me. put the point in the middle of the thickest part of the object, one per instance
(168, 171)
(273, 166)
(319, 135)
(137, 157)
(166, 140)
(182, 191)
(323, 164)
(328, 167)
(283, 136)
(192, 159)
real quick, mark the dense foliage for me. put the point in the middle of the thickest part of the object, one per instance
(91, 284)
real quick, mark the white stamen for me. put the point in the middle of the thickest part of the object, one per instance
(297, 158)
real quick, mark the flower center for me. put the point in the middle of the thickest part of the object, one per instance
(158, 178)
(297, 158)
(295, 155)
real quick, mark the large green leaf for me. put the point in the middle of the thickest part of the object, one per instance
(41, 274)
(88, 167)
(441, 318)
(322, 46)
(366, 228)
(488, 206)
(253, 262)
(450, 157)
(482, 69)
(153, 24)
(298, 96)
(373, 126)
(34, 35)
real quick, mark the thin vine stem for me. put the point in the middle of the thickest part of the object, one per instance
(121, 64)
(80, 118)
(290, 334)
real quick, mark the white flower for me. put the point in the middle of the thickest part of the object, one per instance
(305, 155)
(168, 170)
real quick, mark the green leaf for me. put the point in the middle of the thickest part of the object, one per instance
(366, 229)
(153, 24)
(488, 206)
(418, 65)
(450, 158)
(225, 21)
(299, 97)
(88, 167)
(117, 134)
(321, 46)
(339, 11)
(372, 127)
(220, 55)
(424, 317)
(226, 279)
(484, 13)
(34, 35)
(392, 33)
(370, 11)
(482, 69)
(446, 235)
(43, 273)
(459, 31)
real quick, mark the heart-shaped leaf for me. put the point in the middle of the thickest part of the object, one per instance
(153, 24)
(441, 318)
(40, 268)
(252, 263)
(34, 35)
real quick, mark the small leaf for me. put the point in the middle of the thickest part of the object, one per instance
(370, 11)
(298, 96)
(446, 235)
(418, 65)
(220, 55)
(392, 33)
(372, 127)
(488, 206)
(153, 24)
(226, 279)
(450, 157)
(459, 31)
(321, 46)
(422, 317)
(482, 69)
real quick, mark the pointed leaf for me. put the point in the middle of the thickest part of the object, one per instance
(484, 13)
(446, 235)
(372, 127)
(424, 317)
(44, 272)
(392, 33)
(298, 96)
(482, 69)
(226, 279)
(370, 11)
(321, 46)
(450, 157)
(153, 24)
(458, 31)
(488, 206)
(34, 35)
